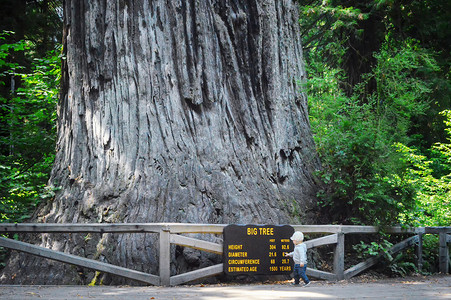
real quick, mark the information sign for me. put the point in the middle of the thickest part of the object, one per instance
(257, 249)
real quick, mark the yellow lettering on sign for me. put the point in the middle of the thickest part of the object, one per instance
(285, 240)
(285, 268)
(285, 247)
(272, 254)
(237, 254)
(253, 269)
(273, 268)
(238, 269)
(273, 247)
(244, 261)
(235, 247)
(266, 231)
(252, 231)
(272, 240)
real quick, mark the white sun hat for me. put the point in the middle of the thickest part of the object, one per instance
(297, 236)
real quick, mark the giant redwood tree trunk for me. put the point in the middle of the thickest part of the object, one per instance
(176, 111)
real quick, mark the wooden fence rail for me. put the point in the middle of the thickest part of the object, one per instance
(171, 233)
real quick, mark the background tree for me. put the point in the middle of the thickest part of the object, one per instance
(176, 112)
(28, 138)
(378, 76)
(30, 36)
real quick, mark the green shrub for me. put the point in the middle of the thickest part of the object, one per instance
(28, 132)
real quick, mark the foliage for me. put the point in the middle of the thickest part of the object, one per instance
(362, 171)
(378, 78)
(433, 194)
(326, 30)
(28, 137)
(357, 122)
(430, 253)
(399, 264)
(36, 21)
(365, 250)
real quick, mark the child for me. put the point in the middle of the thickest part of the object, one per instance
(300, 258)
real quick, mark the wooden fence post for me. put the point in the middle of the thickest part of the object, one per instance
(165, 257)
(339, 256)
(420, 252)
(443, 253)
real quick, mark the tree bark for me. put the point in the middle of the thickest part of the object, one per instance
(177, 111)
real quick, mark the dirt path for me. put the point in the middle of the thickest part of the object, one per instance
(432, 287)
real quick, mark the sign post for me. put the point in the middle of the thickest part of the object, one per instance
(257, 249)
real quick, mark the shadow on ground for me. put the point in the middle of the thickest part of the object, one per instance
(432, 287)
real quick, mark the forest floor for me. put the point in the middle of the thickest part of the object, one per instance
(418, 287)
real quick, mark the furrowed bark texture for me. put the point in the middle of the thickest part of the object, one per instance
(177, 111)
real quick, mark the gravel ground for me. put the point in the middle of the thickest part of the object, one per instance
(419, 287)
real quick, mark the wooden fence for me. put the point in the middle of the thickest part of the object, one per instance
(172, 233)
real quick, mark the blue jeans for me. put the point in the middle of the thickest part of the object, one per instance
(299, 272)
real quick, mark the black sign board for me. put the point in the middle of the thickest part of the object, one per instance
(257, 249)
